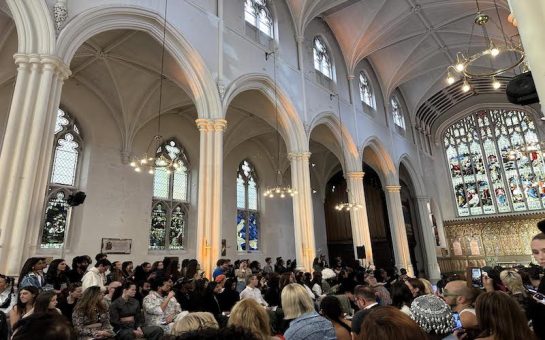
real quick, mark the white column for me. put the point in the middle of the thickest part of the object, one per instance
(358, 217)
(303, 215)
(209, 210)
(434, 272)
(26, 154)
(397, 227)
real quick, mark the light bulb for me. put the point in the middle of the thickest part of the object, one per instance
(151, 172)
(282, 195)
(494, 51)
(277, 190)
(450, 79)
(465, 86)
(137, 169)
(133, 164)
(495, 83)
(143, 161)
(459, 67)
(168, 171)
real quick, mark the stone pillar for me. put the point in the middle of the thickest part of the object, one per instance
(358, 217)
(303, 215)
(26, 153)
(433, 270)
(209, 211)
(397, 228)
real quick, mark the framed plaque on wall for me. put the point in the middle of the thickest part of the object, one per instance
(116, 246)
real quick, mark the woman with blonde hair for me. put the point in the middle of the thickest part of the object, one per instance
(515, 288)
(192, 322)
(306, 323)
(250, 315)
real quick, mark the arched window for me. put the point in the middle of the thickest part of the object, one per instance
(490, 174)
(170, 202)
(322, 60)
(247, 210)
(258, 15)
(62, 181)
(397, 113)
(366, 92)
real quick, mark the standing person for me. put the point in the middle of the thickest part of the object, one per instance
(7, 295)
(222, 265)
(56, 275)
(160, 306)
(461, 299)
(268, 268)
(126, 318)
(252, 292)
(91, 318)
(96, 276)
(279, 265)
(32, 273)
(25, 303)
(306, 323)
(242, 273)
(68, 298)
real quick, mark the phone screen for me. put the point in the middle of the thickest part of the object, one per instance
(457, 321)
(539, 296)
(476, 277)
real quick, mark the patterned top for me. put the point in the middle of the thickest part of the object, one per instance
(154, 315)
(82, 322)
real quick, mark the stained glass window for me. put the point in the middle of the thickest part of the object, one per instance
(489, 173)
(62, 181)
(170, 199)
(247, 208)
(366, 92)
(322, 60)
(258, 15)
(397, 113)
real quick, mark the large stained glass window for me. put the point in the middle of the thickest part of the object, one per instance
(62, 181)
(258, 15)
(170, 202)
(489, 172)
(247, 208)
(366, 92)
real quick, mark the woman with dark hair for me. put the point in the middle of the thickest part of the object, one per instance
(229, 297)
(272, 293)
(389, 323)
(127, 270)
(142, 272)
(45, 326)
(172, 270)
(501, 318)
(192, 271)
(91, 317)
(185, 262)
(46, 302)
(279, 265)
(7, 294)
(32, 273)
(68, 298)
(330, 307)
(25, 303)
(115, 272)
(402, 297)
(56, 275)
(416, 287)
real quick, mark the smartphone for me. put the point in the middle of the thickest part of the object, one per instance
(476, 277)
(539, 296)
(457, 321)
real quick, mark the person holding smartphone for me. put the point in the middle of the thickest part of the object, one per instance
(160, 306)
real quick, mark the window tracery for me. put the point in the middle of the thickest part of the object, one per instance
(247, 208)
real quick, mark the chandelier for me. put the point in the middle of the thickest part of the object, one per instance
(510, 51)
(343, 206)
(279, 190)
(158, 155)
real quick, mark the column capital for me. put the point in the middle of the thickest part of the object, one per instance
(350, 77)
(355, 174)
(305, 155)
(393, 188)
(300, 38)
(50, 61)
(204, 124)
(220, 124)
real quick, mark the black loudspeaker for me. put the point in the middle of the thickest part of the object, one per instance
(521, 90)
(360, 251)
(76, 199)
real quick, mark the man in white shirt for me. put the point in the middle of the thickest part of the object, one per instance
(251, 292)
(96, 276)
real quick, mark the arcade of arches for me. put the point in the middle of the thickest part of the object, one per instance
(330, 112)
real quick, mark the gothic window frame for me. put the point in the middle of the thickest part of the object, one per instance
(257, 16)
(66, 131)
(397, 114)
(367, 99)
(172, 206)
(477, 150)
(323, 62)
(246, 211)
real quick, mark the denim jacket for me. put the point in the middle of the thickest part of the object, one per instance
(31, 279)
(310, 326)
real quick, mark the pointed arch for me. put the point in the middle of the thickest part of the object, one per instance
(416, 179)
(382, 161)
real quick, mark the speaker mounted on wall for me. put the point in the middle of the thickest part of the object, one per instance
(76, 199)
(521, 90)
(360, 252)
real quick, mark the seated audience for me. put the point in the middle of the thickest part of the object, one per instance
(126, 317)
(160, 306)
(330, 307)
(96, 276)
(46, 302)
(68, 298)
(7, 295)
(252, 292)
(306, 323)
(45, 326)
(25, 303)
(500, 318)
(127, 270)
(110, 290)
(250, 315)
(366, 301)
(194, 322)
(32, 273)
(79, 268)
(433, 315)
(229, 297)
(513, 282)
(389, 323)
(56, 277)
(116, 274)
(91, 318)
(402, 297)
(142, 272)
(383, 295)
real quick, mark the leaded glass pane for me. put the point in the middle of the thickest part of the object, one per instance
(322, 61)
(247, 196)
(366, 94)
(55, 222)
(241, 230)
(257, 14)
(253, 231)
(397, 115)
(66, 161)
(161, 181)
(241, 193)
(177, 226)
(179, 187)
(252, 195)
(158, 226)
(489, 171)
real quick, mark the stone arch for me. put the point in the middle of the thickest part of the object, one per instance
(382, 161)
(35, 27)
(290, 125)
(350, 152)
(416, 179)
(100, 19)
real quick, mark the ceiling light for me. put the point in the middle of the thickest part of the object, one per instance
(465, 86)
(495, 83)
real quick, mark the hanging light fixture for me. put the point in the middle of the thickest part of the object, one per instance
(343, 206)
(466, 66)
(279, 190)
(158, 155)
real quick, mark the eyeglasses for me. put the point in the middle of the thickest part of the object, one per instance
(446, 293)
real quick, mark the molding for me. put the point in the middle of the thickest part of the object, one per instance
(305, 155)
(355, 174)
(393, 188)
(494, 218)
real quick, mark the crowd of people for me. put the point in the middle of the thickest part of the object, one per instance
(245, 300)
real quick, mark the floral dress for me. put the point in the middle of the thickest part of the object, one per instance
(87, 328)
(154, 315)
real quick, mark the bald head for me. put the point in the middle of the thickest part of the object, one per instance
(457, 293)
